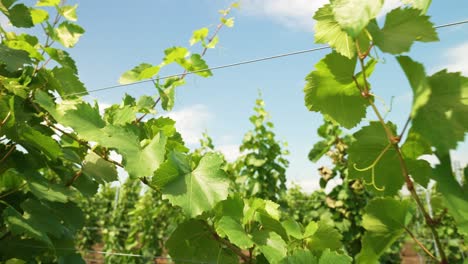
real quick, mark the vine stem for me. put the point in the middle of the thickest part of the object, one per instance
(420, 244)
(205, 49)
(394, 140)
(232, 247)
(12, 191)
(84, 143)
(8, 153)
(74, 178)
(5, 119)
(47, 44)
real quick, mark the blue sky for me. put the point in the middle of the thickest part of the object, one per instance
(122, 34)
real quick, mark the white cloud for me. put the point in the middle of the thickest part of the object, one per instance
(457, 58)
(191, 122)
(292, 13)
(295, 14)
(230, 152)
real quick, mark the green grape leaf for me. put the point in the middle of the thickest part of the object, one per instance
(456, 198)
(328, 31)
(415, 146)
(86, 185)
(74, 258)
(13, 59)
(10, 179)
(69, 12)
(402, 27)
(332, 257)
(167, 91)
(199, 190)
(70, 214)
(420, 171)
(446, 108)
(138, 73)
(48, 3)
(175, 165)
(354, 15)
(45, 190)
(310, 229)
(257, 205)
(68, 34)
(232, 207)
(384, 175)
(24, 45)
(416, 76)
(331, 88)
(146, 159)
(385, 220)
(69, 82)
(269, 223)
(324, 237)
(292, 228)
(234, 231)
(38, 16)
(199, 35)
(318, 150)
(300, 257)
(43, 218)
(271, 245)
(175, 54)
(63, 58)
(20, 16)
(193, 240)
(120, 115)
(18, 225)
(31, 137)
(423, 5)
(140, 159)
(99, 169)
(198, 65)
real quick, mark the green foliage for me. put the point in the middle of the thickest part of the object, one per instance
(39, 161)
(328, 31)
(57, 148)
(402, 27)
(262, 168)
(199, 190)
(385, 220)
(362, 12)
(333, 80)
(376, 157)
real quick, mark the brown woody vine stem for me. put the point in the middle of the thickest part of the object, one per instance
(232, 247)
(5, 119)
(12, 191)
(420, 244)
(394, 140)
(8, 153)
(74, 178)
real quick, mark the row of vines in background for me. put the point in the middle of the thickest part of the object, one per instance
(59, 155)
(149, 220)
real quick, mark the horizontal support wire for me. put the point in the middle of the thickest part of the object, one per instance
(106, 253)
(231, 65)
